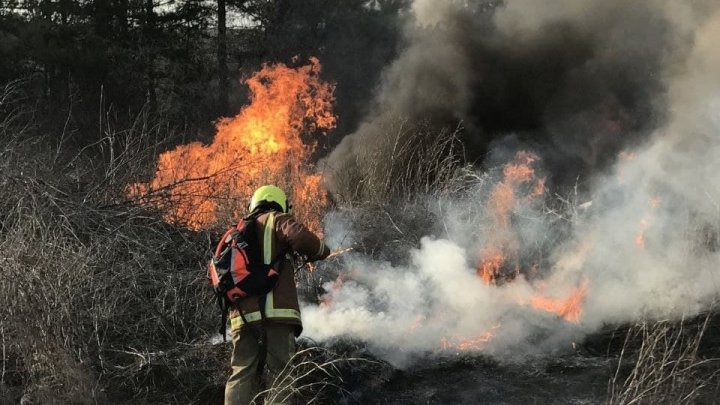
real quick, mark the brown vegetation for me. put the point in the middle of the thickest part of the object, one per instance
(90, 281)
(414, 159)
(103, 301)
(665, 364)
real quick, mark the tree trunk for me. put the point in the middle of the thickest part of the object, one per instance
(121, 14)
(149, 52)
(222, 59)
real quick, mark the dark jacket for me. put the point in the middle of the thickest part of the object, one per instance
(283, 234)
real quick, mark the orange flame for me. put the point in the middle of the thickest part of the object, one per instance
(569, 308)
(520, 171)
(503, 199)
(475, 344)
(491, 265)
(520, 185)
(199, 185)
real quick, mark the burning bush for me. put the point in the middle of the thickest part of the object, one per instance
(270, 141)
(99, 282)
(102, 266)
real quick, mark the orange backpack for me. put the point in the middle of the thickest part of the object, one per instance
(237, 270)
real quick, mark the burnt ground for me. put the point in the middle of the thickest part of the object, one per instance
(474, 381)
(581, 376)
(577, 379)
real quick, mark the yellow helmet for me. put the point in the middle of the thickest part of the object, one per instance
(270, 196)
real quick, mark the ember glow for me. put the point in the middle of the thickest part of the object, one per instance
(265, 143)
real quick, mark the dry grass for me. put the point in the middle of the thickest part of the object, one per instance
(313, 375)
(666, 367)
(412, 160)
(88, 277)
(102, 301)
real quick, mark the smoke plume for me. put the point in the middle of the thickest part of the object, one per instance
(579, 80)
(625, 96)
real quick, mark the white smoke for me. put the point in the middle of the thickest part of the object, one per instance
(648, 245)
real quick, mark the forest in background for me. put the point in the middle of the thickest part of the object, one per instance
(93, 93)
(84, 66)
(90, 93)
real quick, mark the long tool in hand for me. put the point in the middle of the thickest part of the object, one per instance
(304, 260)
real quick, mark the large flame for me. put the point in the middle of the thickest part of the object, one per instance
(266, 142)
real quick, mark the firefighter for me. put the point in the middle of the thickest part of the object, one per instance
(264, 330)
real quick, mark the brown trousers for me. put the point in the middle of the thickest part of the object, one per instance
(242, 386)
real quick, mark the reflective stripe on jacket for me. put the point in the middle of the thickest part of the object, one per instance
(280, 233)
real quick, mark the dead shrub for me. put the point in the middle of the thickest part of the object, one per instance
(665, 364)
(87, 274)
(313, 375)
(413, 159)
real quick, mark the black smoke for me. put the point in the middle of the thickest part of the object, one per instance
(579, 87)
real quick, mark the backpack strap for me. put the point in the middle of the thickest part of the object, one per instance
(224, 308)
(262, 300)
(252, 217)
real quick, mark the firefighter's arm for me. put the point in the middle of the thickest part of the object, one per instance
(300, 239)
